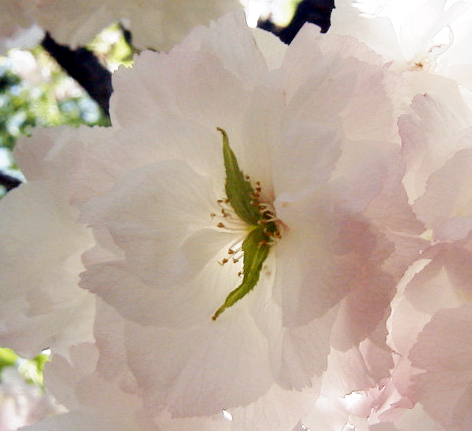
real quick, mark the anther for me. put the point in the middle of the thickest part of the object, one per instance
(265, 208)
(231, 251)
(225, 213)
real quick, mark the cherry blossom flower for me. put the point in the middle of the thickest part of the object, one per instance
(427, 387)
(41, 304)
(438, 302)
(432, 369)
(294, 118)
(392, 402)
(418, 35)
(245, 216)
(430, 313)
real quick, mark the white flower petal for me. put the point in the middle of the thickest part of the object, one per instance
(42, 306)
(202, 369)
(446, 206)
(444, 350)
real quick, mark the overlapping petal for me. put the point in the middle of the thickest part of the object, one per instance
(155, 24)
(321, 170)
(314, 128)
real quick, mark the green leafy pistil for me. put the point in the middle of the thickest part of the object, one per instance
(262, 232)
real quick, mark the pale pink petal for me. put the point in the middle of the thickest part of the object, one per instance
(200, 370)
(153, 215)
(423, 36)
(432, 135)
(442, 283)
(78, 421)
(153, 23)
(446, 206)
(444, 351)
(278, 410)
(96, 403)
(413, 419)
(42, 305)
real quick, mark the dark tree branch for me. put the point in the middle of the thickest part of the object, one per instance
(315, 11)
(84, 67)
(8, 181)
(127, 35)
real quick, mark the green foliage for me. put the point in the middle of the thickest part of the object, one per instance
(111, 47)
(8, 358)
(51, 99)
(31, 369)
(15, 108)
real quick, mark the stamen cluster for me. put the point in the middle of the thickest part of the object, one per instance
(260, 225)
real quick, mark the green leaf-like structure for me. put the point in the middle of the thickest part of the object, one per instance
(239, 190)
(255, 250)
(262, 228)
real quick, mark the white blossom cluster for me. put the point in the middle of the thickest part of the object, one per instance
(269, 237)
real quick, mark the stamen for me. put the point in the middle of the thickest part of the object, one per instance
(226, 218)
(234, 251)
(226, 213)
(237, 257)
(256, 222)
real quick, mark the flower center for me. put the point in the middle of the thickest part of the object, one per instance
(260, 220)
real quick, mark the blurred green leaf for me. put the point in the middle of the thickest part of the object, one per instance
(8, 358)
